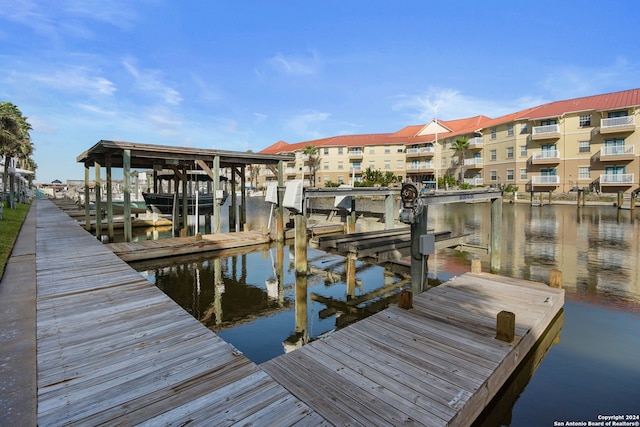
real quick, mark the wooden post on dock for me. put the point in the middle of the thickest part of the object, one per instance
(531, 198)
(301, 244)
(476, 266)
(555, 278)
(496, 234)
(620, 199)
(550, 194)
(405, 299)
(633, 201)
(506, 326)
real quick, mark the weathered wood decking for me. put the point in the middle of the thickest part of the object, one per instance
(437, 364)
(151, 249)
(113, 349)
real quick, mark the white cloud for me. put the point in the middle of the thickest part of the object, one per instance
(150, 82)
(306, 124)
(296, 65)
(451, 104)
(75, 79)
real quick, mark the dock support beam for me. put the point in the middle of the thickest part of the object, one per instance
(506, 326)
(126, 176)
(110, 233)
(301, 244)
(389, 211)
(87, 209)
(216, 189)
(496, 234)
(98, 190)
(280, 237)
(418, 264)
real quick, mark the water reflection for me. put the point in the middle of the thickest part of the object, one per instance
(256, 302)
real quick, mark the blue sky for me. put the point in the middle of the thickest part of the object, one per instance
(242, 75)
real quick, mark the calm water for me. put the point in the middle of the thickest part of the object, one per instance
(255, 302)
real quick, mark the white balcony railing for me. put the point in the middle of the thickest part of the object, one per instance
(420, 150)
(617, 150)
(418, 166)
(545, 155)
(355, 153)
(616, 179)
(476, 161)
(476, 142)
(616, 122)
(474, 181)
(545, 180)
(545, 130)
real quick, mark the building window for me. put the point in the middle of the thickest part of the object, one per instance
(372, 150)
(493, 134)
(399, 164)
(510, 175)
(493, 175)
(387, 149)
(584, 172)
(510, 130)
(524, 128)
(325, 150)
(584, 146)
(493, 155)
(340, 165)
(523, 151)
(585, 120)
(453, 161)
(523, 173)
(444, 161)
(387, 164)
(372, 165)
(509, 152)
(325, 165)
(340, 179)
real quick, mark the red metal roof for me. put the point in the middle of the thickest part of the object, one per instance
(409, 134)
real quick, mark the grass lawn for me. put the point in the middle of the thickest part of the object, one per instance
(10, 224)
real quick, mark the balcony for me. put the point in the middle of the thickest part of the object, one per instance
(475, 163)
(355, 154)
(617, 153)
(476, 143)
(545, 132)
(545, 157)
(476, 182)
(420, 151)
(618, 124)
(545, 180)
(290, 171)
(420, 167)
(616, 180)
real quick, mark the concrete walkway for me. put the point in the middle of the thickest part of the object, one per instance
(18, 399)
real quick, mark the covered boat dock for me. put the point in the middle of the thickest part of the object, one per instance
(181, 161)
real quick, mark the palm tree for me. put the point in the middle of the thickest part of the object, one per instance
(314, 160)
(15, 140)
(461, 145)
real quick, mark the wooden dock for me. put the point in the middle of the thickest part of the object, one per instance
(436, 364)
(113, 349)
(150, 249)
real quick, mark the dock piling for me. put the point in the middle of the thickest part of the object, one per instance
(506, 326)
(405, 299)
(555, 278)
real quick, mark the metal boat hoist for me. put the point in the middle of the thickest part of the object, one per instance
(414, 212)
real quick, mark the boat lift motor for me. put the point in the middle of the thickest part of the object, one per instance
(411, 209)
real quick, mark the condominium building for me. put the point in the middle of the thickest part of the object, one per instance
(591, 142)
